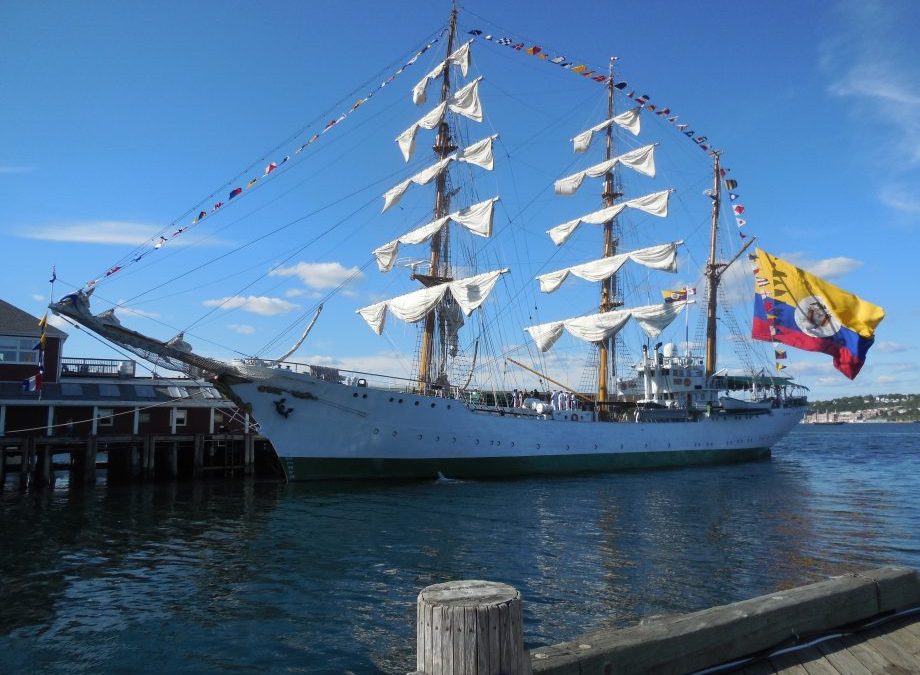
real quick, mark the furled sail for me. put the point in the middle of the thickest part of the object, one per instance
(597, 327)
(461, 57)
(655, 204)
(641, 160)
(468, 293)
(480, 154)
(662, 257)
(629, 120)
(476, 218)
(464, 102)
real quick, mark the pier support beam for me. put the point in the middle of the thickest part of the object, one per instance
(89, 461)
(25, 467)
(172, 465)
(198, 459)
(470, 627)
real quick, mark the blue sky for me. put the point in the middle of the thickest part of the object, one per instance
(119, 118)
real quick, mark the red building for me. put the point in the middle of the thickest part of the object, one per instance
(96, 397)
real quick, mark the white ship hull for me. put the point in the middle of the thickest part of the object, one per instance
(326, 430)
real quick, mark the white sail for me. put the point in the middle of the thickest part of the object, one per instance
(461, 57)
(476, 218)
(655, 204)
(480, 154)
(662, 257)
(597, 327)
(464, 102)
(406, 139)
(469, 293)
(641, 160)
(629, 120)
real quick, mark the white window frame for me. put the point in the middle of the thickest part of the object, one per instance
(24, 346)
(181, 417)
(104, 417)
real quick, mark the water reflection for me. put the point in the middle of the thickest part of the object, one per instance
(211, 577)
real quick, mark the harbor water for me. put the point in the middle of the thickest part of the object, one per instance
(221, 577)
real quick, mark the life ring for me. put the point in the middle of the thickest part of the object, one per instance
(574, 417)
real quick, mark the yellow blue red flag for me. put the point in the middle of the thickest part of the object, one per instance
(801, 310)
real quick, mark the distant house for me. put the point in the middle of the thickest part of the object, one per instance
(90, 396)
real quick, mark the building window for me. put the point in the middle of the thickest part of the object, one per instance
(109, 390)
(144, 391)
(105, 418)
(18, 349)
(143, 418)
(181, 417)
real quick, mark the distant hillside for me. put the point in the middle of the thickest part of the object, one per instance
(891, 407)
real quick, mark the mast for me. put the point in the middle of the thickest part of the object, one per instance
(443, 147)
(608, 286)
(713, 269)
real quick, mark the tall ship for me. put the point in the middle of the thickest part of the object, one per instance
(662, 402)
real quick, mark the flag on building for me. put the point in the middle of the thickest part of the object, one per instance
(810, 313)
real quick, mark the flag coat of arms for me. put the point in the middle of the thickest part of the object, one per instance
(801, 310)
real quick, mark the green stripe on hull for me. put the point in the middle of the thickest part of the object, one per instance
(323, 468)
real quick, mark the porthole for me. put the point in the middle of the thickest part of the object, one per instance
(400, 400)
(448, 406)
(477, 441)
(376, 431)
(432, 405)
(538, 446)
(394, 433)
(437, 438)
(363, 395)
(420, 437)
(355, 395)
(416, 403)
(391, 399)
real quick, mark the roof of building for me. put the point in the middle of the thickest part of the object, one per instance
(14, 321)
(117, 392)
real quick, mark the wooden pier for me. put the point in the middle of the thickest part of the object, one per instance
(37, 459)
(859, 624)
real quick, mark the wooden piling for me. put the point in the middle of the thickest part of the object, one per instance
(198, 459)
(470, 627)
(25, 462)
(173, 464)
(89, 462)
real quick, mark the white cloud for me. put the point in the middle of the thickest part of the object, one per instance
(871, 61)
(95, 232)
(257, 304)
(59, 322)
(38, 297)
(242, 328)
(6, 168)
(826, 268)
(888, 347)
(131, 311)
(885, 379)
(294, 292)
(320, 275)
(900, 198)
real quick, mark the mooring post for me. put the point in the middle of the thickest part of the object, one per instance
(470, 627)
